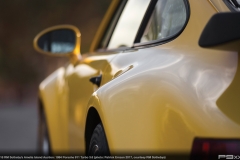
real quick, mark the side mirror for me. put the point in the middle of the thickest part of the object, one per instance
(222, 32)
(61, 40)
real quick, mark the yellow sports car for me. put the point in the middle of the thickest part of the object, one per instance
(162, 77)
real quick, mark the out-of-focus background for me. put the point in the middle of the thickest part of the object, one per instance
(22, 68)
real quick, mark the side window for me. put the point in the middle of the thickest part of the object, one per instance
(110, 27)
(167, 19)
(137, 22)
(233, 5)
(127, 26)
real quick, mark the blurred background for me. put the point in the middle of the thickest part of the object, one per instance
(22, 68)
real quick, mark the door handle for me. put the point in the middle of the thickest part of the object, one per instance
(96, 80)
(120, 72)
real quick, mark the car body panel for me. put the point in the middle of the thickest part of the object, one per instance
(155, 99)
(63, 103)
(78, 77)
(159, 103)
(51, 92)
(167, 115)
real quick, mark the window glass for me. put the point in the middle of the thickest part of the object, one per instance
(107, 35)
(168, 18)
(128, 24)
(58, 41)
(233, 5)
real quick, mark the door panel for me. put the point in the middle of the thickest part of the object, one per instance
(79, 91)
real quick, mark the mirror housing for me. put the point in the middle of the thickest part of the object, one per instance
(222, 32)
(61, 40)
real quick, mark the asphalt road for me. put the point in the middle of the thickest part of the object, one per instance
(18, 130)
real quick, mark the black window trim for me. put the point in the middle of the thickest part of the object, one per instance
(145, 20)
(141, 29)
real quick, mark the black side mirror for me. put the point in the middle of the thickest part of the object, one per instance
(222, 32)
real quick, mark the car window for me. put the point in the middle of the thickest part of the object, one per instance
(167, 19)
(110, 27)
(127, 27)
(233, 5)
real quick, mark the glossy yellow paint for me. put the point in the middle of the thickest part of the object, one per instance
(156, 99)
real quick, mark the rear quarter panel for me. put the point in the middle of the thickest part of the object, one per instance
(168, 94)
